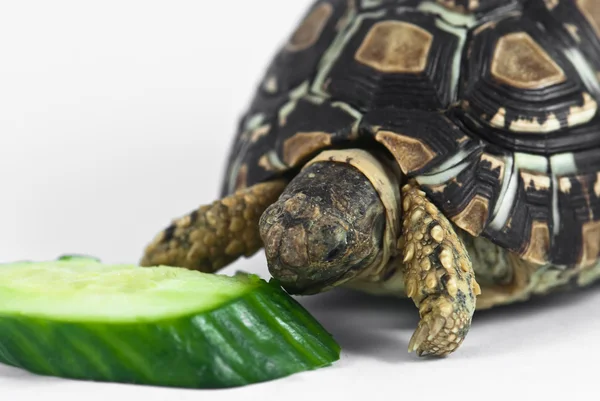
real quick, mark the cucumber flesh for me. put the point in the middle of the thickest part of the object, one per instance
(81, 319)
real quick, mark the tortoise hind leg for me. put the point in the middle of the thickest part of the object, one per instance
(438, 276)
(214, 235)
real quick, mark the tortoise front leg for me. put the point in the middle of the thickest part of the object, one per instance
(215, 235)
(438, 276)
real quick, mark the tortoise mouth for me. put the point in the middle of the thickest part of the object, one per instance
(301, 286)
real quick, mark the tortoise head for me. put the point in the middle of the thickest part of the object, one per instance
(326, 228)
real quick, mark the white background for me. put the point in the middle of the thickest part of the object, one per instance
(116, 116)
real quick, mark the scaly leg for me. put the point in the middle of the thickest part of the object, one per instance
(215, 235)
(438, 275)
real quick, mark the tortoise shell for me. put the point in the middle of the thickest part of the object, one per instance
(490, 105)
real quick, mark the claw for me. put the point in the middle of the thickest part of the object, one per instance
(418, 338)
(438, 325)
(440, 332)
(423, 353)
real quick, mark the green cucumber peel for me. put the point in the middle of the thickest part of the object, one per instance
(78, 318)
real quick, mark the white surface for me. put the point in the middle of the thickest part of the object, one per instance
(116, 116)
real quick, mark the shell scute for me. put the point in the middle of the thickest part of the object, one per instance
(491, 106)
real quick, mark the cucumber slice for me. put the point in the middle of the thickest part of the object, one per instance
(81, 319)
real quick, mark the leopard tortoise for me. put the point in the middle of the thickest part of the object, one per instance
(447, 151)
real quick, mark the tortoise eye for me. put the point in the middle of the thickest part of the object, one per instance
(335, 252)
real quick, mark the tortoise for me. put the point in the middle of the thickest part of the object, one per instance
(446, 151)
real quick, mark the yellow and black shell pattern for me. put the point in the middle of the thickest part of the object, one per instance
(491, 105)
